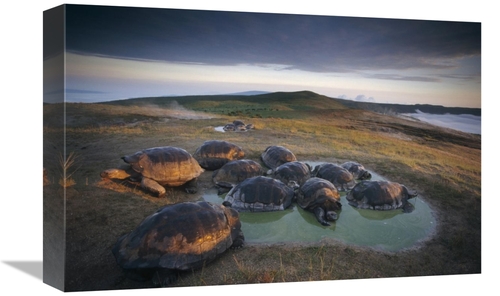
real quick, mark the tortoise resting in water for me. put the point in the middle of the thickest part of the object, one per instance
(234, 172)
(381, 195)
(213, 154)
(320, 197)
(337, 175)
(158, 167)
(178, 237)
(357, 170)
(259, 194)
(293, 173)
(274, 156)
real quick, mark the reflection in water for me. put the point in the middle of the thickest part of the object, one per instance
(388, 230)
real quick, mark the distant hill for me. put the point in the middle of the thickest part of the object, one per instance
(248, 93)
(300, 100)
(398, 108)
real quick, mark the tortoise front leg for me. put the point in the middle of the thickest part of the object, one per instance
(191, 187)
(153, 186)
(320, 216)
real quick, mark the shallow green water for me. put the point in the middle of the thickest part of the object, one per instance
(386, 230)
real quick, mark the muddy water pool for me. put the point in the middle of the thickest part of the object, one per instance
(386, 230)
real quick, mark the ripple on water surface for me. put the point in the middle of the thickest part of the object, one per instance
(387, 230)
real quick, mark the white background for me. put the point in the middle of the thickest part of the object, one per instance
(21, 144)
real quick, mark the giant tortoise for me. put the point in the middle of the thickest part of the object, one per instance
(381, 195)
(337, 175)
(293, 173)
(234, 172)
(213, 154)
(357, 170)
(259, 194)
(178, 237)
(320, 197)
(158, 167)
(274, 156)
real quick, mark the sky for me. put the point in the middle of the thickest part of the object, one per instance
(124, 52)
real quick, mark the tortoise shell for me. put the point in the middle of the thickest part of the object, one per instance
(294, 173)
(380, 195)
(260, 194)
(167, 165)
(180, 237)
(214, 154)
(274, 156)
(316, 192)
(337, 175)
(357, 170)
(320, 197)
(236, 171)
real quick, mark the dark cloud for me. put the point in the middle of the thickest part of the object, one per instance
(403, 78)
(311, 43)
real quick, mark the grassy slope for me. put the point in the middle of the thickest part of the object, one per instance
(443, 165)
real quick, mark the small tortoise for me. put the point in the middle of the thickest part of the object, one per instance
(214, 154)
(274, 156)
(229, 127)
(381, 195)
(178, 237)
(234, 172)
(158, 167)
(320, 197)
(357, 170)
(239, 125)
(294, 173)
(337, 175)
(259, 194)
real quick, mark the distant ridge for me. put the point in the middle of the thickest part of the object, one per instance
(248, 93)
(302, 100)
(399, 108)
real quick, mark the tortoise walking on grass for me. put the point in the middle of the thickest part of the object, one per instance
(337, 175)
(293, 174)
(357, 170)
(214, 154)
(320, 197)
(381, 195)
(178, 237)
(234, 172)
(274, 156)
(260, 194)
(158, 167)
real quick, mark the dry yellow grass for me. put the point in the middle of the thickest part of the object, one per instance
(444, 165)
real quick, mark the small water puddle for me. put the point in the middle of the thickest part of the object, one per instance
(386, 230)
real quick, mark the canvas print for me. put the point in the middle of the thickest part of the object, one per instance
(200, 148)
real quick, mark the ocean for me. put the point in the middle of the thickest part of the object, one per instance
(464, 122)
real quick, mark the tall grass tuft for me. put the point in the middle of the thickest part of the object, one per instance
(67, 165)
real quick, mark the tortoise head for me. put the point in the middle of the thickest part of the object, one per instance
(365, 175)
(412, 194)
(315, 171)
(115, 174)
(409, 193)
(330, 207)
(331, 216)
(294, 185)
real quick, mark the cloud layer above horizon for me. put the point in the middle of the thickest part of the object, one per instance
(130, 52)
